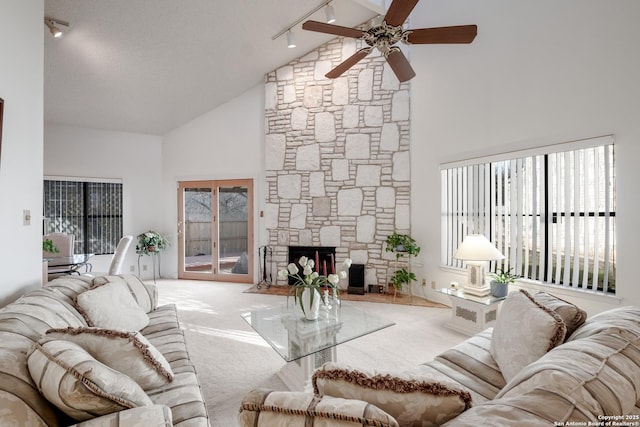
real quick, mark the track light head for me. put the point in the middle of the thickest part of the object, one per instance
(54, 26)
(55, 31)
(291, 39)
(331, 16)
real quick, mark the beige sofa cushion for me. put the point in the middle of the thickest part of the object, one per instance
(51, 303)
(297, 409)
(600, 371)
(623, 321)
(146, 296)
(79, 385)
(571, 314)
(524, 331)
(111, 306)
(183, 395)
(43, 309)
(536, 408)
(470, 365)
(147, 416)
(126, 352)
(413, 400)
(19, 409)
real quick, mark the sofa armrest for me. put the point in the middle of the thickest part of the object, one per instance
(143, 416)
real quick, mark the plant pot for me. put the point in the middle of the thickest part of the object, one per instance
(311, 310)
(499, 290)
(151, 248)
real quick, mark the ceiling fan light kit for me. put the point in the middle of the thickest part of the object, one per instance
(384, 34)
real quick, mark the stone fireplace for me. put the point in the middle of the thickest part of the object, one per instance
(336, 158)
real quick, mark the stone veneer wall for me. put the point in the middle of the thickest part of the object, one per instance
(337, 158)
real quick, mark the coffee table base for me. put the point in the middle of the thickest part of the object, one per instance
(296, 375)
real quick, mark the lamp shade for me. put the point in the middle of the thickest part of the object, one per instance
(476, 247)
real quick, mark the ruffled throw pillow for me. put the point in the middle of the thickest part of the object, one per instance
(80, 386)
(126, 352)
(524, 331)
(412, 399)
(298, 409)
(112, 306)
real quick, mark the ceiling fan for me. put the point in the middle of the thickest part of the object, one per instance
(385, 35)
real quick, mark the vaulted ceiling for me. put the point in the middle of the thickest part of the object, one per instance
(149, 66)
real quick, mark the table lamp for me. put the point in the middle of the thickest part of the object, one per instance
(476, 250)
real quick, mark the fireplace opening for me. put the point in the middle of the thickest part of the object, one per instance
(323, 256)
(356, 279)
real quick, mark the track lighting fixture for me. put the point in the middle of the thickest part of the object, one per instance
(330, 15)
(54, 26)
(291, 39)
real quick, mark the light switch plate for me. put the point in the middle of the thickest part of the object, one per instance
(26, 217)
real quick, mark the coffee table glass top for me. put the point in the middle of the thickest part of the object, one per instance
(459, 293)
(293, 337)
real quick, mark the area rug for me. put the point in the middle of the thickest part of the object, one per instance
(400, 298)
(232, 359)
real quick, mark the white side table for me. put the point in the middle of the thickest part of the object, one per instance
(471, 314)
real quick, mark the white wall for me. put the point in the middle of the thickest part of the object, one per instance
(21, 82)
(134, 158)
(537, 73)
(225, 143)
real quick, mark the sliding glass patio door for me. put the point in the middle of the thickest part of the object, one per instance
(215, 230)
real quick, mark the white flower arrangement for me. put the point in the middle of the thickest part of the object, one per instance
(312, 280)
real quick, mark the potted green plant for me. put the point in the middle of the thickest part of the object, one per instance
(400, 277)
(48, 246)
(500, 282)
(401, 245)
(151, 242)
(309, 287)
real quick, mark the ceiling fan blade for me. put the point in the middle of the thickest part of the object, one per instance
(456, 34)
(399, 11)
(400, 65)
(348, 63)
(336, 30)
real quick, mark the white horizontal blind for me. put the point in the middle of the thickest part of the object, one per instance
(552, 215)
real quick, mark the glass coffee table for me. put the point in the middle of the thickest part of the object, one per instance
(305, 344)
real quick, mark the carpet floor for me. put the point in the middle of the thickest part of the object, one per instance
(232, 359)
(388, 298)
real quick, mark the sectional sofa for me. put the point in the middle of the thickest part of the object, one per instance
(96, 352)
(544, 363)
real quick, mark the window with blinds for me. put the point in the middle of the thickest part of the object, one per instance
(551, 212)
(91, 210)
